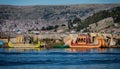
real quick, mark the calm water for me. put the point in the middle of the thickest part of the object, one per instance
(19, 58)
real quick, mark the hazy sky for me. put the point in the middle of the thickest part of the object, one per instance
(56, 2)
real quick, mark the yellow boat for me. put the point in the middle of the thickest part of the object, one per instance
(20, 43)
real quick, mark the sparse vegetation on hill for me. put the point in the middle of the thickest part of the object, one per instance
(114, 13)
(24, 18)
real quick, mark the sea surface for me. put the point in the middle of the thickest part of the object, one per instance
(37, 58)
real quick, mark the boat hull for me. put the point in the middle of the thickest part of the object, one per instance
(24, 46)
(13, 45)
(61, 46)
(85, 45)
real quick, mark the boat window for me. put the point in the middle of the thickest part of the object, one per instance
(78, 39)
(84, 40)
(81, 39)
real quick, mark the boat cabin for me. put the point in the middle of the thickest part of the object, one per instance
(83, 39)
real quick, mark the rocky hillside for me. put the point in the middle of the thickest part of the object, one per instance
(106, 25)
(24, 18)
(98, 21)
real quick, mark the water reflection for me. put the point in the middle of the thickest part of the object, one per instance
(24, 49)
(86, 49)
(54, 49)
(101, 50)
(61, 50)
(79, 49)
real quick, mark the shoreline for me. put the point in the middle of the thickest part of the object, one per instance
(117, 46)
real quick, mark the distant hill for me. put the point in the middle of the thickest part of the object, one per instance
(103, 19)
(24, 18)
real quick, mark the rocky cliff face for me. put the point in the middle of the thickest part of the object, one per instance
(106, 25)
(24, 18)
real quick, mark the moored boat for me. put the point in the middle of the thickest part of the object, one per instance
(22, 45)
(83, 41)
(60, 46)
(21, 42)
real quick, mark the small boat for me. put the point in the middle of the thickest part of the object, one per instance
(83, 41)
(22, 45)
(60, 46)
(20, 42)
(1, 42)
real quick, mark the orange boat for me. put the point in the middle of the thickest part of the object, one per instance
(83, 41)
